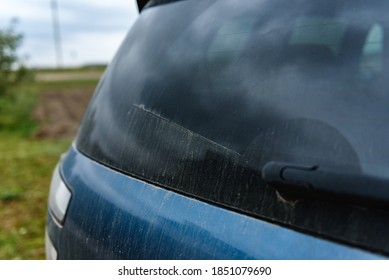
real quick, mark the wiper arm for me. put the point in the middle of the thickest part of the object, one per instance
(325, 183)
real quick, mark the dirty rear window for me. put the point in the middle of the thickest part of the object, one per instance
(202, 94)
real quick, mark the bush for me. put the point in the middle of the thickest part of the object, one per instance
(12, 70)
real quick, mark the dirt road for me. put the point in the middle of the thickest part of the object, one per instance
(67, 76)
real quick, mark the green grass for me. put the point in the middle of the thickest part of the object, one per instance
(101, 68)
(26, 166)
(15, 111)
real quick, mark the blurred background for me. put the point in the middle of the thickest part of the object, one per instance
(52, 54)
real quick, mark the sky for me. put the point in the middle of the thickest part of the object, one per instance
(91, 30)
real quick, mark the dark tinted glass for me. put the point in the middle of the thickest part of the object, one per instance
(202, 94)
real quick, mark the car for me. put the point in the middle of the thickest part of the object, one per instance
(233, 130)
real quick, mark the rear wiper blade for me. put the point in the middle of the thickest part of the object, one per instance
(315, 181)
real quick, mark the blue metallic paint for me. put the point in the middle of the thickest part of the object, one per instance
(114, 216)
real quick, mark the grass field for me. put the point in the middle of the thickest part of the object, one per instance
(26, 165)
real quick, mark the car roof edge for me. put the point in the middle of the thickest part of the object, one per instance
(143, 4)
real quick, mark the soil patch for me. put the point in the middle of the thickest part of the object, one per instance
(59, 112)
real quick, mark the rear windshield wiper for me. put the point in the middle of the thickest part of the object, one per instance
(296, 181)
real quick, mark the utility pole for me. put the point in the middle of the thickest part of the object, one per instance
(56, 32)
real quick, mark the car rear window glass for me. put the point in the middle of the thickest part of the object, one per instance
(371, 62)
(203, 94)
(320, 31)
